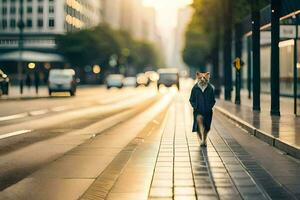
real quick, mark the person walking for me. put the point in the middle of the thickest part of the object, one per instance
(36, 81)
(202, 100)
(28, 81)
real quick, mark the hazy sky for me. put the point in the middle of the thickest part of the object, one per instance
(166, 22)
(166, 11)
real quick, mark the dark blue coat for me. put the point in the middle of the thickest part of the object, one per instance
(202, 103)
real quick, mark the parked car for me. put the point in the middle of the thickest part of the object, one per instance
(62, 80)
(168, 77)
(129, 82)
(114, 80)
(4, 83)
(142, 79)
(152, 75)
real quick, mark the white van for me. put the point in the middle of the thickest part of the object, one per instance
(62, 80)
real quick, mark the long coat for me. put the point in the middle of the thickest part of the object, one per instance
(202, 103)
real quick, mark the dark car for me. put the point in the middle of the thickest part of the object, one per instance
(4, 83)
(168, 77)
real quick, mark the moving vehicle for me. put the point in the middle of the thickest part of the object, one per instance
(62, 80)
(4, 83)
(114, 80)
(129, 82)
(142, 79)
(168, 77)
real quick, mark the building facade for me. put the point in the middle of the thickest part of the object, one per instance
(184, 17)
(43, 21)
(133, 17)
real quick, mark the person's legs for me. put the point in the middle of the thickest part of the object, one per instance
(205, 133)
(201, 128)
(206, 123)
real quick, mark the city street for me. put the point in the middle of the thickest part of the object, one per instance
(133, 144)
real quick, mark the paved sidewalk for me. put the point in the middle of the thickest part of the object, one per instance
(14, 93)
(169, 165)
(282, 132)
(186, 171)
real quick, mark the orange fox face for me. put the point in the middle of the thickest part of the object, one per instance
(203, 78)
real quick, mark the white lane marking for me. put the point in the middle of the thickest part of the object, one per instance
(38, 112)
(11, 117)
(7, 135)
(60, 108)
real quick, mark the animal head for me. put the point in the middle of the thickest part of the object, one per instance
(203, 78)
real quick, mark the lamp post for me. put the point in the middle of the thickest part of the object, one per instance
(21, 26)
(275, 89)
(295, 65)
(238, 62)
(255, 13)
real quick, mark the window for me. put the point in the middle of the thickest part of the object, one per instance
(12, 10)
(4, 11)
(40, 9)
(29, 23)
(40, 23)
(29, 9)
(51, 23)
(51, 9)
(4, 23)
(12, 23)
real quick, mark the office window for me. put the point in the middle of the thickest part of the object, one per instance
(40, 23)
(4, 24)
(40, 9)
(29, 9)
(13, 23)
(51, 23)
(12, 10)
(29, 23)
(51, 9)
(4, 11)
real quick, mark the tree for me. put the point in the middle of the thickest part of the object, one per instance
(97, 45)
(210, 29)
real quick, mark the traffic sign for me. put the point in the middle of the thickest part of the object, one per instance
(238, 63)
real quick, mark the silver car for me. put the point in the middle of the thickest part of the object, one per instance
(62, 80)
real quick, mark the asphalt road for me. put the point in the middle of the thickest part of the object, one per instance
(29, 128)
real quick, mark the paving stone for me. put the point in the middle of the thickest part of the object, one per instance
(207, 197)
(205, 191)
(183, 183)
(184, 197)
(164, 169)
(163, 176)
(184, 191)
(249, 190)
(161, 192)
(162, 183)
(183, 176)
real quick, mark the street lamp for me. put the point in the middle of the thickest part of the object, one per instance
(96, 69)
(21, 26)
(31, 65)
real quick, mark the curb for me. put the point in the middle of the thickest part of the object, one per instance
(265, 137)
